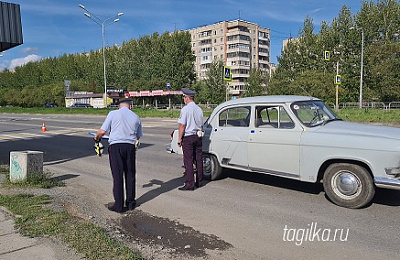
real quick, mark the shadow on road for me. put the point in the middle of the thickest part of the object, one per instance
(382, 196)
(387, 197)
(65, 177)
(56, 148)
(163, 188)
(312, 188)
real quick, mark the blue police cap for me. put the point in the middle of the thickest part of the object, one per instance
(125, 100)
(188, 92)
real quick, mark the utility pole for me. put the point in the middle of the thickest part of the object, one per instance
(362, 64)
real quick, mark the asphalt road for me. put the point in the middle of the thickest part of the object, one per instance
(254, 216)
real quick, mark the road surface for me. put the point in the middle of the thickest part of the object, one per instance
(243, 216)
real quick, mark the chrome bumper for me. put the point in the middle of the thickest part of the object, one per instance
(387, 183)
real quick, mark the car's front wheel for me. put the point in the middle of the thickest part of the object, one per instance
(348, 185)
(211, 168)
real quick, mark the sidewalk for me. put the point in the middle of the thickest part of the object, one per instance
(14, 246)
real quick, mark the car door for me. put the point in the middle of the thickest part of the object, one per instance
(229, 135)
(274, 142)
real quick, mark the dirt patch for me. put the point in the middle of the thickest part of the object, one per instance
(164, 233)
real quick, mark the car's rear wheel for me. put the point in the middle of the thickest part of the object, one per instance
(348, 185)
(211, 168)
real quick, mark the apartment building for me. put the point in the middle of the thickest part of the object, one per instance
(240, 44)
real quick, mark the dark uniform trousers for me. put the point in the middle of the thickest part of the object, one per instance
(192, 147)
(122, 157)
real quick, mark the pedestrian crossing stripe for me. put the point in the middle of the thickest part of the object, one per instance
(47, 134)
(14, 136)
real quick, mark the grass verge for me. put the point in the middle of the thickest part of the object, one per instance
(33, 219)
(370, 115)
(142, 112)
(365, 115)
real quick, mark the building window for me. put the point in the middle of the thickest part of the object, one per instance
(239, 46)
(263, 34)
(208, 49)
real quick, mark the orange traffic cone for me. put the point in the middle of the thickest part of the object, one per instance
(44, 127)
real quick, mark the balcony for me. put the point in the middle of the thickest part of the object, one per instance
(238, 50)
(205, 34)
(205, 60)
(237, 59)
(236, 31)
(263, 44)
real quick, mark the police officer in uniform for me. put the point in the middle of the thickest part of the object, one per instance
(125, 129)
(190, 122)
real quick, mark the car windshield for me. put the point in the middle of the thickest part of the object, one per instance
(313, 113)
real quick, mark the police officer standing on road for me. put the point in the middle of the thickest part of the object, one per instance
(190, 123)
(125, 129)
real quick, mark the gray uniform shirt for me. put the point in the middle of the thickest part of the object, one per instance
(123, 126)
(192, 117)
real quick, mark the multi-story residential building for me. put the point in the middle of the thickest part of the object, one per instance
(239, 44)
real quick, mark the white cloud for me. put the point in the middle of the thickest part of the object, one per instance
(316, 10)
(2, 66)
(22, 61)
(30, 50)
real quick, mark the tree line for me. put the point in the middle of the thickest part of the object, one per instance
(303, 69)
(148, 63)
(152, 61)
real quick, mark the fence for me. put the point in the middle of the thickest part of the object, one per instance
(377, 105)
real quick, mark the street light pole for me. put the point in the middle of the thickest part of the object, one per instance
(362, 64)
(103, 24)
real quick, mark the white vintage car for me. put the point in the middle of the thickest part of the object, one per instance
(300, 138)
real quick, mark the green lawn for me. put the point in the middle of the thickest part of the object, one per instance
(368, 115)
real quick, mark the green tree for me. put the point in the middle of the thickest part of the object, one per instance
(256, 84)
(301, 63)
(214, 90)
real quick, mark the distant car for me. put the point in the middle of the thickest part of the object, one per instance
(300, 138)
(81, 105)
(50, 105)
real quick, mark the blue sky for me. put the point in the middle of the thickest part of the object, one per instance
(54, 27)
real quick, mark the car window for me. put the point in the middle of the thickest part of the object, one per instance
(313, 113)
(272, 116)
(235, 117)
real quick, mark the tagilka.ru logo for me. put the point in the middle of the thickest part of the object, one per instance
(314, 233)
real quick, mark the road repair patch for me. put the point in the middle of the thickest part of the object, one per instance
(149, 229)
